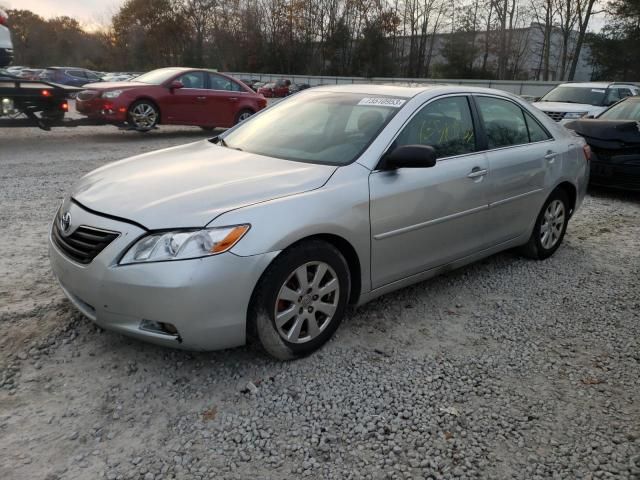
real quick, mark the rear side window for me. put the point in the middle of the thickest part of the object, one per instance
(504, 122)
(536, 132)
(76, 73)
(218, 82)
(445, 125)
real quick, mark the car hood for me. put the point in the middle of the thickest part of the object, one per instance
(563, 107)
(109, 85)
(190, 185)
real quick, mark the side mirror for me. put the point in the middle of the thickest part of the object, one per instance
(590, 116)
(410, 156)
(175, 85)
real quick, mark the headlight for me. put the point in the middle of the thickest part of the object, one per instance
(184, 244)
(573, 115)
(111, 94)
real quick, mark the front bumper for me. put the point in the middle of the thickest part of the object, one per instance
(102, 109)
(612, 174)
(206, 299)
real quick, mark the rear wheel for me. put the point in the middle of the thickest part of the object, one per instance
(143, 115)
(550, 227)
(243, 115)
(300, 300)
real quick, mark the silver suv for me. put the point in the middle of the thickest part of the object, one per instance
(570, 101)
(6, 46)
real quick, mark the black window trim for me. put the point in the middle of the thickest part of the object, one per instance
(484, 131)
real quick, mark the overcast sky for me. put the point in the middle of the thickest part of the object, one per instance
(92, 13)
(89, 12)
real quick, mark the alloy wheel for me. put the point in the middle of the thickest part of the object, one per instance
(307, 302)
(144, 115)
(243, 116)
(552, 224)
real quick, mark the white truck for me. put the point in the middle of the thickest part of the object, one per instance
(6, 46)
(571, 101)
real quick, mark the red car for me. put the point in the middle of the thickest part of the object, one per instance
(277, 89)
(171, 96)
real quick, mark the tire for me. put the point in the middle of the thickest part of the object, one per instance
(242, 115)
(280, 293)
(143, 115)
(550, 227)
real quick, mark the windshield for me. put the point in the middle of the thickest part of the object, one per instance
(158, 77)
(586, 95)
(317, 127)
(626, 110)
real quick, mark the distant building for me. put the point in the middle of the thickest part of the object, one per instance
(526, 61)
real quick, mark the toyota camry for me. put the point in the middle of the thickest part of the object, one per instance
(330, 198)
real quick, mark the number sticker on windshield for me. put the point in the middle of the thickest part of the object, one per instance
(382, 102)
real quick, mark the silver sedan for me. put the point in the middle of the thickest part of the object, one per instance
(330, 198)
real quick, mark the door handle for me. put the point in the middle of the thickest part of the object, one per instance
(201, 98)
(477, 172)
(550, 156)
(233, 99)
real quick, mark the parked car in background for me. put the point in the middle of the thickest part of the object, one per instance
(332, 197)
(251, 83)
(571, 101)
(298, 87)
(275, 89)
(177, 96)
(614, 138)
(118, 76)
(30, 73)
(6, 45)
(75, 77)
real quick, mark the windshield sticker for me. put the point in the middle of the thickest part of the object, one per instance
(382, 102)
(597, 90)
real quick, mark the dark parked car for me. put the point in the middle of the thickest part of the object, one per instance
(251, 83)
(76, 77)
(614, 138)
(6, 46)
(275, 89)
(177, 96)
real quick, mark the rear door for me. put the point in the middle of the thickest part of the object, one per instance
(224, 98)
(521, 155)
(187, 105)
(422, 218)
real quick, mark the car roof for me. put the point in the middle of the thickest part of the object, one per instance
(595, 84)
(407, 90)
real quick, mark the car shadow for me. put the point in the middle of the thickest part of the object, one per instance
(614, 194)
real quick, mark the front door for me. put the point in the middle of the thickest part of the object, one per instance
(187, 105)
(425, 217)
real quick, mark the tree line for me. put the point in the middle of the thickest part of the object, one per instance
(404, 38)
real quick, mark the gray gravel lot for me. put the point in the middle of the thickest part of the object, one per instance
(508, 368)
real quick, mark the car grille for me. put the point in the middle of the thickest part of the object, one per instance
(87, 95)
(557, 116)
(84, 244)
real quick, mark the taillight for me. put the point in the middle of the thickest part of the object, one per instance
(586, 149)
(46, 93)
(3, 17)
(64, 106)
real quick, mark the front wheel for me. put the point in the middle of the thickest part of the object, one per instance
(300, 300)
(143, 115)
(550, 227)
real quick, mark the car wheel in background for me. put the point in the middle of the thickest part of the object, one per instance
(550, 227)
(300, 300)
(243, 115)
(143, 115)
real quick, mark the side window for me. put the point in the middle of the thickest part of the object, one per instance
(536, 132)
(613, 95)
(192, 80)
(76, 73)
(218, 82)
(444, 124)
(503, 122)
(625, 92)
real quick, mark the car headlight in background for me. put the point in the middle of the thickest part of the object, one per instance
(573, 115)
(111, 94)
(184, 244)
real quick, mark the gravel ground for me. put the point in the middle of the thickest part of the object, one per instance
(504, 369)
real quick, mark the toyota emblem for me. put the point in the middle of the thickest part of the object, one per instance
(65, 222)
